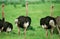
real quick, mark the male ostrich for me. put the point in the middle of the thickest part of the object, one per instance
(23, 21)
(4, 25)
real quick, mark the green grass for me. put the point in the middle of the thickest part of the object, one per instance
(36, 11)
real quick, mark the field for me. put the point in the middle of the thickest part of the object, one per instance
(36, 11)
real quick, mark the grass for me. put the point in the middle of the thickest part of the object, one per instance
(36, 11)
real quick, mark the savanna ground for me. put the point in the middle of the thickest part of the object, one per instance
(35, 11)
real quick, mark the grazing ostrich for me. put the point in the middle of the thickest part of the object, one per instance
(58, 23)
(48, 22)
(23, 22)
